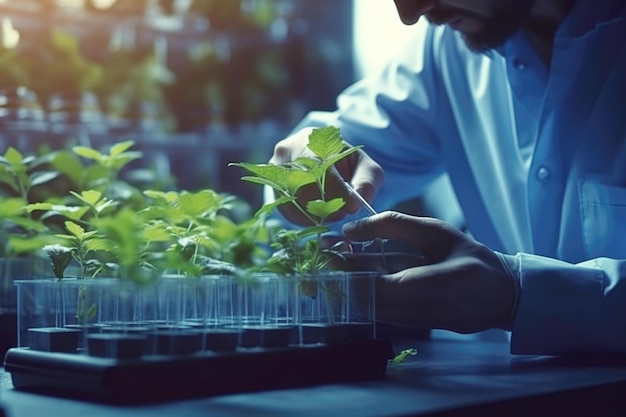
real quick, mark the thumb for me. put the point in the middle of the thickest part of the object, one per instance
(427, 235)
(386, 225)
(364, 174)
(367, 179)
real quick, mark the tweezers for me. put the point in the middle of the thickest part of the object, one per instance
(360, 199)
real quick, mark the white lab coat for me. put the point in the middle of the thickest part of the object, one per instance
(537, 161)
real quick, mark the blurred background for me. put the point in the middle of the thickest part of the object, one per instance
(195, 83)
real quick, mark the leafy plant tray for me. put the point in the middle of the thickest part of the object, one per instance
(160, 378)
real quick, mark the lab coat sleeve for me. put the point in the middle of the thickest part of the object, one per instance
(394, 115)
(570, 309)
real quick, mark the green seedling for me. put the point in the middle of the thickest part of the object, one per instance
(19, 175)
(22, 173)
(203, 240)
(103, 174)
(133, 239)
(301, 251)
(82, 244)
(60, 257)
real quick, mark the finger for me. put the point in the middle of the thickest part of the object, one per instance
(399, 300)
(408, 298)
(336, 188)
(385, 263)
(447, 296)
(292, 147)
(367, 178)
(363, 174)
(428, 235)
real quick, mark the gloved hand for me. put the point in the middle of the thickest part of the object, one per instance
(465, 287)
(361, 171)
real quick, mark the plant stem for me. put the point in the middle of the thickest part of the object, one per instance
(306, 214)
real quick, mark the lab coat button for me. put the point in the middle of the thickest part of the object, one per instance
(543, 174)
(518, 64)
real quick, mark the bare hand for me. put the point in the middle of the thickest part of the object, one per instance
(465, 288)
(363, 173)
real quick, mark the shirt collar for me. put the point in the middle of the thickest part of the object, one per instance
(585, 17)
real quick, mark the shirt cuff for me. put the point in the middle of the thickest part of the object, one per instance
(510, 265)
(559, 307)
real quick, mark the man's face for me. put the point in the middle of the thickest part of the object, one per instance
(484, 24)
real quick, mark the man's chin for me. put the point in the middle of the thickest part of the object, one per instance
(477, 42)
(496, 30)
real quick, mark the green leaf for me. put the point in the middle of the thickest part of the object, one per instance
(155, 212)
(88, 153)
(401, 357)
(99, 245)
(270, 206)
(270, 172)
(90, 235)
(71, 240)
(72, 212)
(295, 179)
(14, 156)
(197, 204)
(120, 161)
(288, 178)
(119, 148)
(311, 231)
(314, 167)
(74, 229)
(29, 224)
(90, 197)
(332, 160)
(11, 207)
(263, 181)
(42, 177)
(6, 177)
(156, 233)
(168, 197)
(95, 175)
(28, 244)
(104, 204)
(323, 209)
(69, 165)
(326, 142)
(28, 160)
(38, 207)
(225, 229)
(307, 163)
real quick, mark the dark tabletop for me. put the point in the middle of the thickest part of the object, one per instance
(446, 377)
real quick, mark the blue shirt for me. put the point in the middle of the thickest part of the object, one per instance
(537, 159)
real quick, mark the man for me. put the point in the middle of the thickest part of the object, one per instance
(523, 104)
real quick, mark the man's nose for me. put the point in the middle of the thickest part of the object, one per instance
(411, 10)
